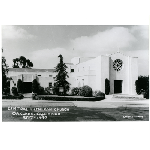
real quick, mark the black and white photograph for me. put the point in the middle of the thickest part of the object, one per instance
(75, 73)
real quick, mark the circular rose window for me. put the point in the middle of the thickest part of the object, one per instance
(117, 64)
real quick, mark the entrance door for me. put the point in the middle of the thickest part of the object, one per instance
(27, 87)
(117, 86)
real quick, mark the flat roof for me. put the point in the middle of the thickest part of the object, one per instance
(30, 70)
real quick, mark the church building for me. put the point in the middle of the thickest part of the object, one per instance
(119, 69)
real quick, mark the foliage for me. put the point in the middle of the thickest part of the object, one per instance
(55, 89)
(142, 86)
(22, 62)
(20, 96)
(98, 93)
(5, 79)
(69, 93)
(107, 86)
(66, 98)
(35, 86)
(20, 86)
(75, 91)
(41, 90)
(14, 91)
(146, 94)
(86, 91)
(48, 91)
(61, 77)
(34, 96)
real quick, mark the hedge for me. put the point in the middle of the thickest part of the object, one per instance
(67, 98)
(12, 97)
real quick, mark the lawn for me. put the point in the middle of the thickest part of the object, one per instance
(52, 112)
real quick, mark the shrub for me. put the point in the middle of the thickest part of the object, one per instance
(20, 86)
(98, 93)
(20, 96)
(34, 96)
(86, 91)
(146, 94)
(6, 89)
(69, 93)
(75, 91)
(55, 89)
(35, 86)
(142, 84)
(107, 86)
(80, 88)
(41, 90)
(14, 91)
(66, 98)
(47, 91)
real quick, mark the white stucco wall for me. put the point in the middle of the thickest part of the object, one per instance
(133, 74)
(119, 75)
(92, 72)
(128, 73)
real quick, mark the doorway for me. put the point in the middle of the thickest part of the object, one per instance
(117, 86)
(27, 87)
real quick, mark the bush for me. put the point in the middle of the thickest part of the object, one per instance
(35, 86)
(75, 91)
(55, 89)
(80, 88)
(14, 91)
(20, 86)
(107, 86)
(146, 94)
(69, 93)
(20, 96)
(66, 98)
(48, 91)
(41, 90)
(86, 91)
(34, 96)
(98, 93)
(6, 89)
(142, 84)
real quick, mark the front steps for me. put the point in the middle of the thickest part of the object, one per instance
(130, 97)
(27, 95)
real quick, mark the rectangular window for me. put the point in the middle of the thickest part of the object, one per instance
(72, 70)
(50, 75)
(39, 75)
(50, 84)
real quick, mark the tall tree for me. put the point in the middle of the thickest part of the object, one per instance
(61, 76)
(5, 79)
(16, 63)
(22, 62)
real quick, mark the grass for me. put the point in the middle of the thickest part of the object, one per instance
(82, 114)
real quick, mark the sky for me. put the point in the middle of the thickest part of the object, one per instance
(43, 43)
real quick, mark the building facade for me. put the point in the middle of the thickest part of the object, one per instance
(119, 69)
